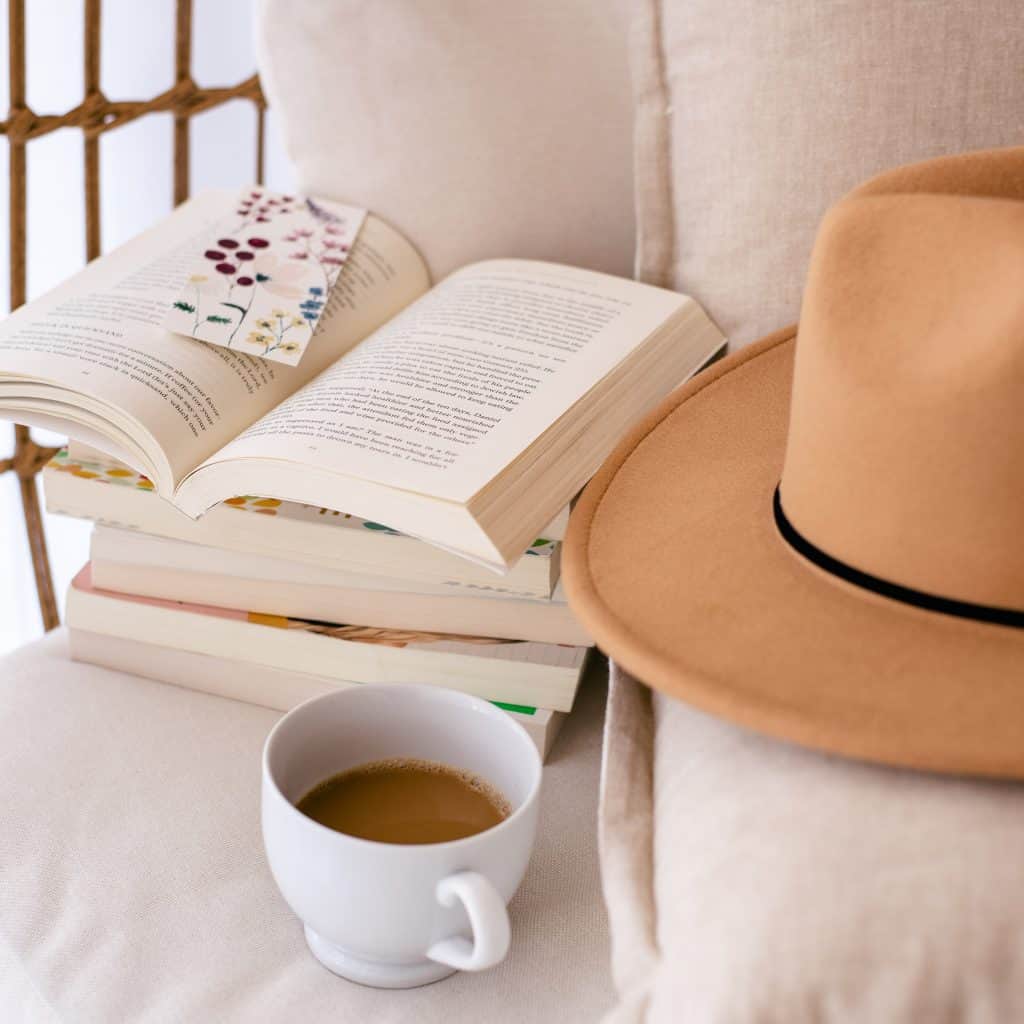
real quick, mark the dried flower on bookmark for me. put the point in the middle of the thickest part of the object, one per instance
(262, 281)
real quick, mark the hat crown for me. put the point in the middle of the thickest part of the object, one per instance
(905, 454)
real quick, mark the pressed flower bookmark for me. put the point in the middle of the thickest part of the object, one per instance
(263, 280)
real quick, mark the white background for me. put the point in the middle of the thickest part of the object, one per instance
(136, 164)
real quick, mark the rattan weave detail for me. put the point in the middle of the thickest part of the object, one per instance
(94, 116)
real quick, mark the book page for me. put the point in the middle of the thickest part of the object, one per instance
(446, 395)
(96, 344)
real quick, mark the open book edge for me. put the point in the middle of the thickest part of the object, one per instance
(536, 365)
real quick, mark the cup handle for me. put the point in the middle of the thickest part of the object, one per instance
(488, 918)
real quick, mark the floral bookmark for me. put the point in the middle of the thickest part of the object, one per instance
(262, 281)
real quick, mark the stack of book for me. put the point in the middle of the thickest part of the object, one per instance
(459, 420)
(340, 601)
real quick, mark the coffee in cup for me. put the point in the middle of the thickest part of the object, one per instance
(406, 800)
(398, 822)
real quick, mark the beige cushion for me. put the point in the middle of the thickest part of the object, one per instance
(480, 129)
(753, 117)
(133, 885)
(777, 885)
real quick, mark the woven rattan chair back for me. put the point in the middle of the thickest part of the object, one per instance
(94, 116)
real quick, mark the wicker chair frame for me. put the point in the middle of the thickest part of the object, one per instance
(95, 115)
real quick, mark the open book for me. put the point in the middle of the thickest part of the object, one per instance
(466, 415)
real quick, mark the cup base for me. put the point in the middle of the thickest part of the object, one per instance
(372, 972)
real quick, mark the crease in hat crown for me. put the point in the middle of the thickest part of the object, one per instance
(905, 453)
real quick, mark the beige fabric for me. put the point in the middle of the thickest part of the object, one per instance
(133, 885)
(795, 888)
(626, 841)
(479, 129)
(19, 999)
(753, 117)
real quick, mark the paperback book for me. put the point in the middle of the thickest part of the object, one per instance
(266, 685)
(295, 534)
(466, 415)
(136, 563)
(542, 675)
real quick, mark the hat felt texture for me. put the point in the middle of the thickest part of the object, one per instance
(821, 537)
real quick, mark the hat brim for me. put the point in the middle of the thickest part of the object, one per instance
(674, 563)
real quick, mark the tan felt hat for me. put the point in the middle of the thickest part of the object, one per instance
(822, 536)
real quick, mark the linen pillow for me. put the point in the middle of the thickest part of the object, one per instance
(774, 884)
(752, 118)
(479, 129)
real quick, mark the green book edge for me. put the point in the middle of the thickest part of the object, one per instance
(521, 709)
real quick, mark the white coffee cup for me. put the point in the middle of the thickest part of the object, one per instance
(384, 914)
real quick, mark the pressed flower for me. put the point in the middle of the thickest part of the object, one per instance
(266, 324)
(290, 346)
(279, 277)
(297, 321)
(206, 285)
(278, 312)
